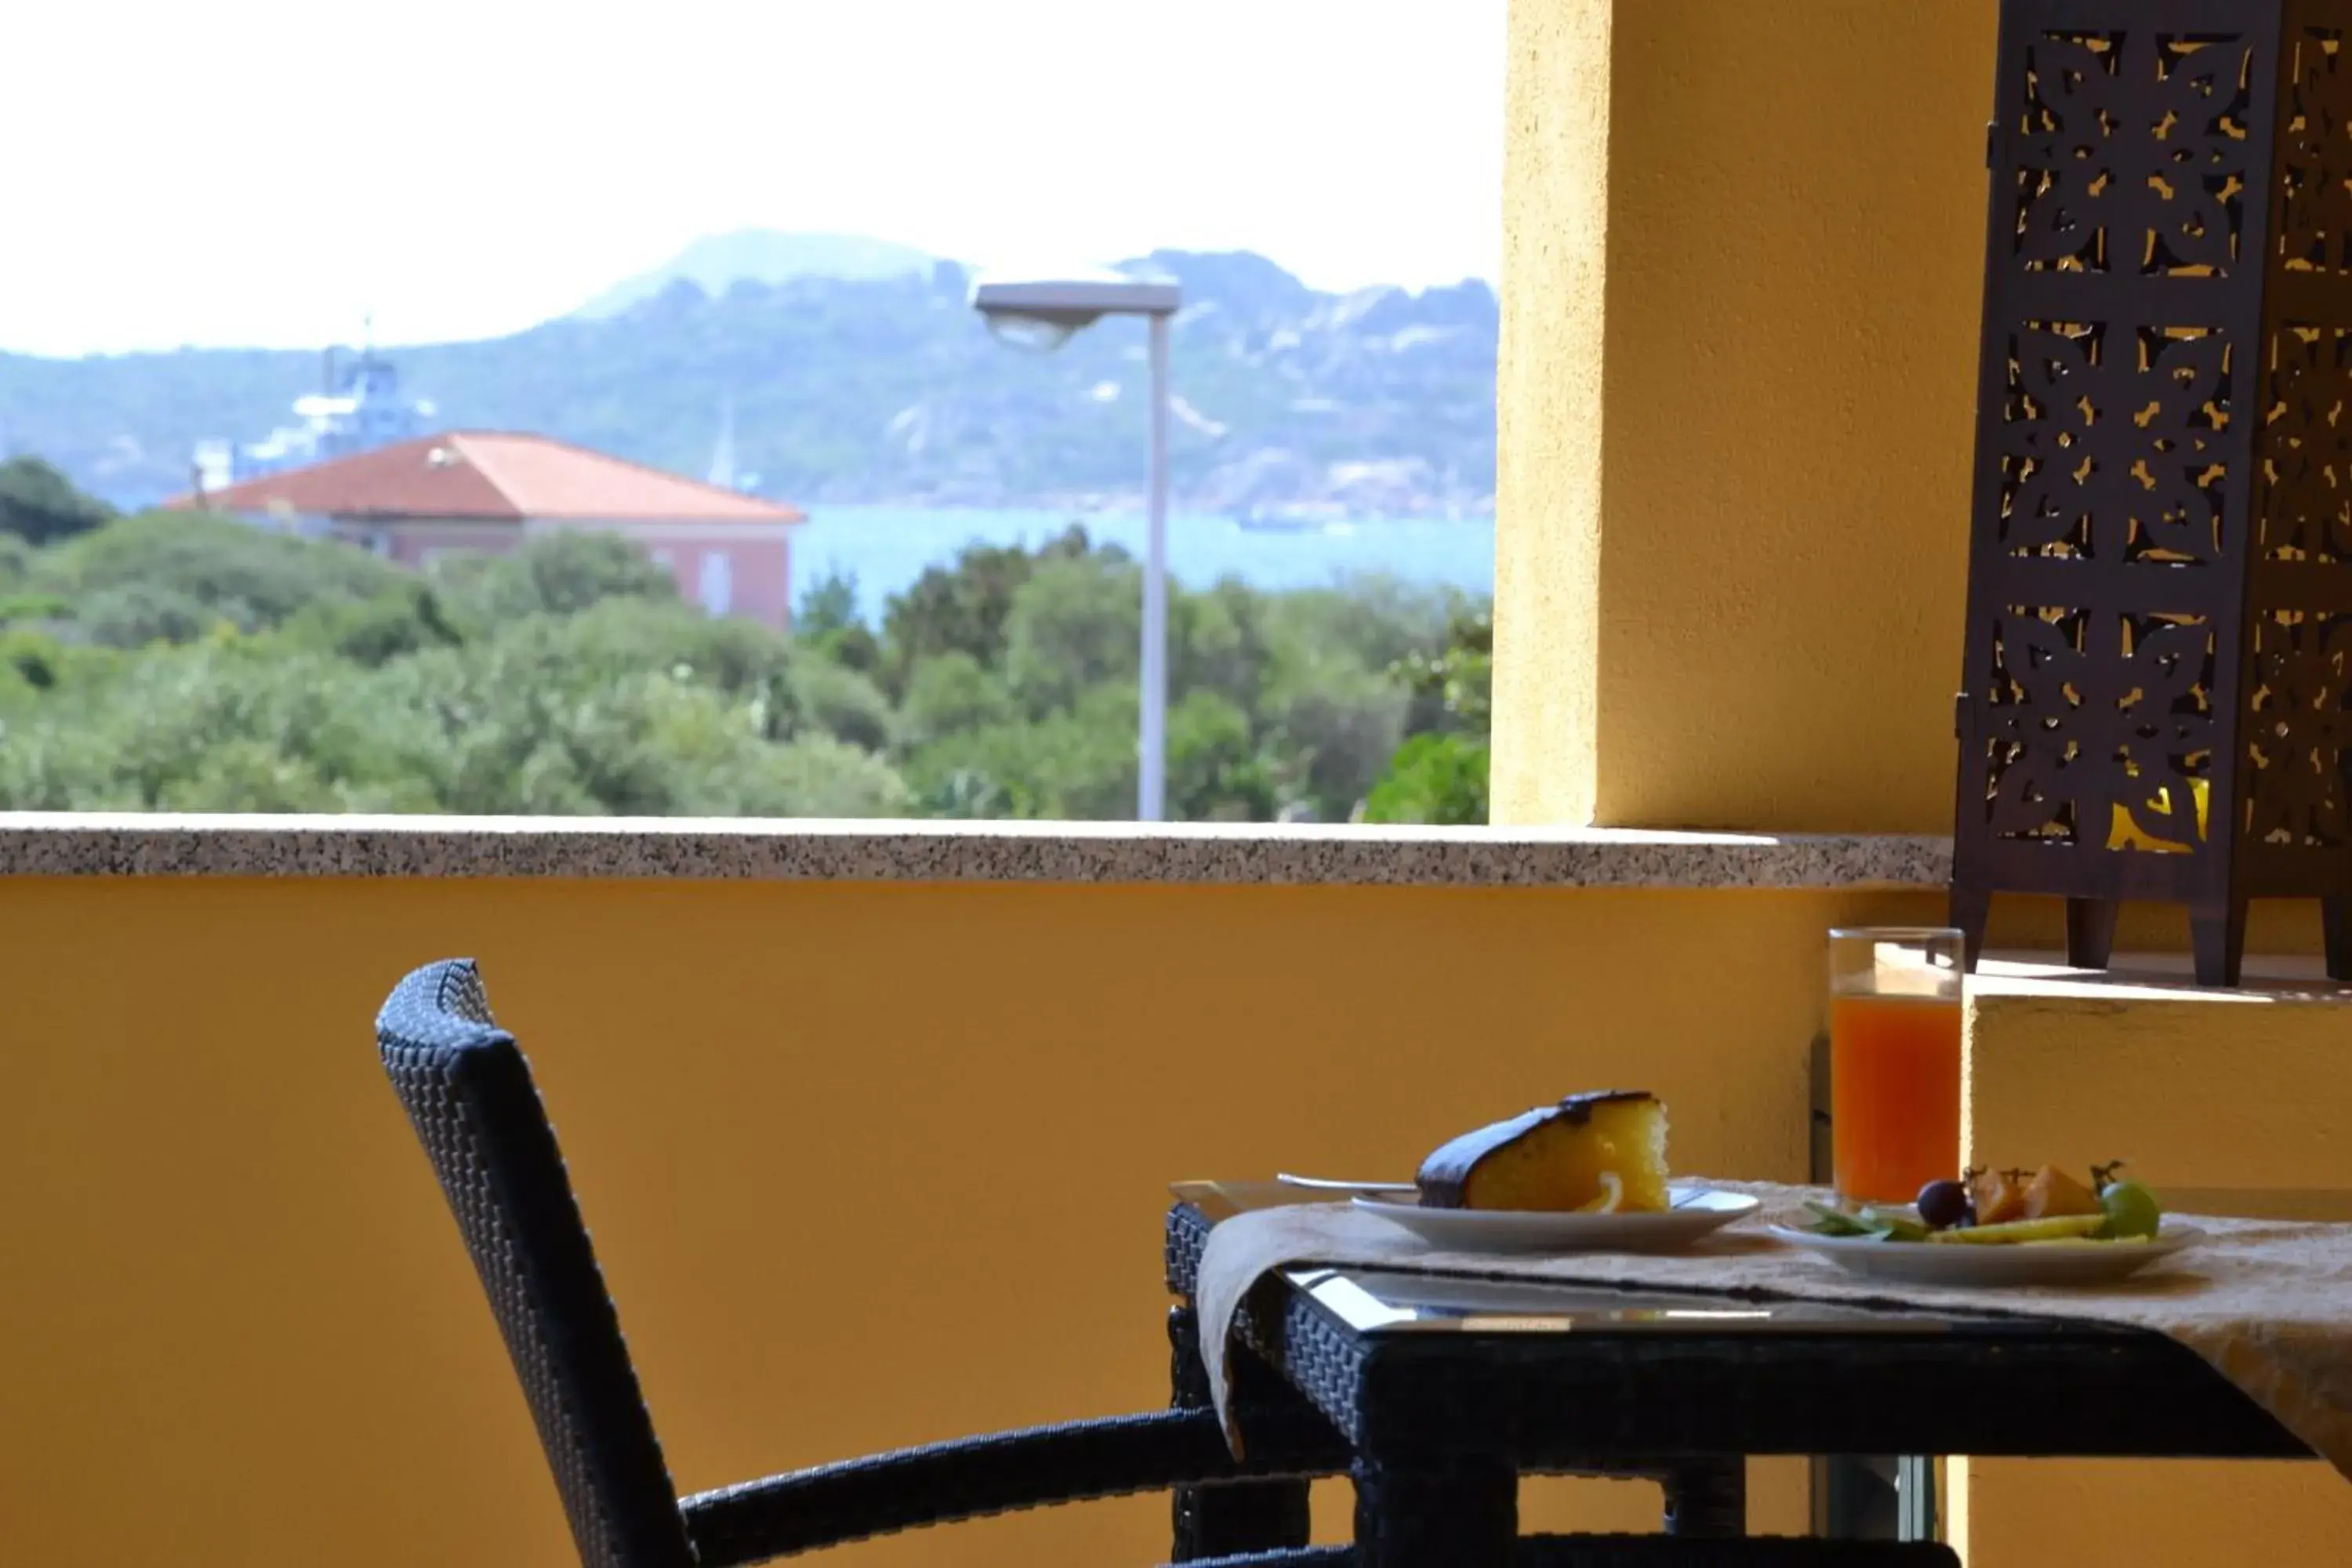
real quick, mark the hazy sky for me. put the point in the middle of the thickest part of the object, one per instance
(262, 171)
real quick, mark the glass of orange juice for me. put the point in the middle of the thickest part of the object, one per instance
(1894, 1060)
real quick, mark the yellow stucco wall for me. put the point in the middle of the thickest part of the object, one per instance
(2075, 1074)
(1548, 408)
(1742, 268)
(1728, 587)
(237, 1322)
(867, 1165)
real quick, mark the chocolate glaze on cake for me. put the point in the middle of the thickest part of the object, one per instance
(1444, 1177)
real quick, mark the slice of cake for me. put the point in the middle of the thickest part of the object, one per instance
(1556, 1156)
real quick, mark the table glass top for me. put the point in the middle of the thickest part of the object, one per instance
(1378, 1302)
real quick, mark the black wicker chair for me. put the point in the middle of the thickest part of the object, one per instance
(469, 1094)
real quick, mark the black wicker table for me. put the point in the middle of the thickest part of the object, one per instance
(1448, 1389)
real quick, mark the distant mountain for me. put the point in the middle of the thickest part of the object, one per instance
(889, 389)
(718, 263)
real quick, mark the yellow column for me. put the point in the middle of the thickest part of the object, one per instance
(1742, 258)
(1548, 401)
(1742, 271)
(2071, 1069)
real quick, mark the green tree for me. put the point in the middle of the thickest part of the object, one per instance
(953, 693)
(1441, 775)
(827, 624)
(374, 632)
(1368, 620)
(218, 722)
(956, 609)
(837, 701)
(39, 505)
(132, 615)
(630, 707)
(614, 636)
(179, 661)
(816, 776)
(553, 573)
(965, 607)
(1324, 693)
(34, 664)
(1435, 778)
(251, 577)
(1079, 763)
(1076, 624)
(1215, 772)
(1218, 642)
(1459, 675)
(1339, 723)
(828, 605)
(963, 794)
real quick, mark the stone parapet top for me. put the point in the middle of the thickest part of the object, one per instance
(2141, 978)
(134, 845)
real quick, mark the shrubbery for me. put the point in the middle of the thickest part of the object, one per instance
(170, 661)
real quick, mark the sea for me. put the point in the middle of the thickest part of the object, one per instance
(884, 549)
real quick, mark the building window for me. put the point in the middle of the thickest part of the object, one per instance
(718, 582)
(663, 559)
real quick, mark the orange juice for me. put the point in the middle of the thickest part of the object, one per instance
(1895, 1094)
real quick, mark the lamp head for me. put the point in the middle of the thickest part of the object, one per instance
(1047, 312)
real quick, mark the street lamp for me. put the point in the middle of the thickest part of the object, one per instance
(1045, 313)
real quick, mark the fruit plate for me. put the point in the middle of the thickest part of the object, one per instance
(1980, 1266)
(1696, 1212)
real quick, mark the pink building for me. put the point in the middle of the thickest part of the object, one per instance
(489, 490)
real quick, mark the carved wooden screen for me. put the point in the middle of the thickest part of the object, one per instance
(2154, 702)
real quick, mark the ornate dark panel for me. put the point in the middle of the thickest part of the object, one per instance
(2131, 153)
(2314, 201)
(2099, 730)
(2156, 701)
(2299, 734)
(2306, 512)
(2113, 437)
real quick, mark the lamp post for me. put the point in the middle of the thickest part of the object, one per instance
(1045, 313)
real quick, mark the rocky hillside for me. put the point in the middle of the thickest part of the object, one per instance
(888, 389)
(762, 255)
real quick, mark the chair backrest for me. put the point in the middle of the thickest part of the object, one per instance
(471, 1095)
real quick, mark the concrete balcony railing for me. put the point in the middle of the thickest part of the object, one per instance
(873, 1123)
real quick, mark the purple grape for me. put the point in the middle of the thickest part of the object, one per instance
(1943, 1205)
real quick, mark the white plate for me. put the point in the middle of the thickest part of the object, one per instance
(1994, 1264)
(1697, 1211)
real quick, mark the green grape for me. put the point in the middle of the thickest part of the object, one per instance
(2131, 1210)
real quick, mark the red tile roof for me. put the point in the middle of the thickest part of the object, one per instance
(495, 475)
